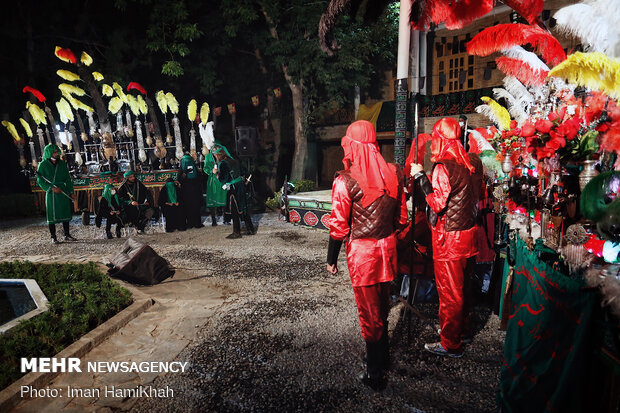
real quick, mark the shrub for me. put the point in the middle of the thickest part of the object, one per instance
(80, 298)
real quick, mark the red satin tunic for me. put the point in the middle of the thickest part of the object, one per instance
(370, 261)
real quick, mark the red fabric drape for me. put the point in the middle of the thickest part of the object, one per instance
(446, 144)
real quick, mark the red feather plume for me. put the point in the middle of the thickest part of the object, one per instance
(455, 16)
(35, 92)
(65, 54)
(521, 70)
(504, 36)
(528, 9)
(137, 86)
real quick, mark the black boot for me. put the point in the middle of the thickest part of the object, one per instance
(118, 231)
(109, 235)
(385, 348)
(373, 376)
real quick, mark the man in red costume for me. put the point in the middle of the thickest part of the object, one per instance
(368, 206)
(452, 197)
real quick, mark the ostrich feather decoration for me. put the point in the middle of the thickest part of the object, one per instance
(172, 103)
(66, 55)
(515, 108)
(132, 101)
(115, 104)
(592, 70)
(142, 105)
(11, 128)
(107, 90)
(528, 9)
(26, 127)
(591, 26)
(137, 86)
(494, 111)
(119, 91)
(70, 89)
(86, 59)
(518, 90)
(64, 109)
(455, 15)
(523, 72)
(68, 75)
(38, 115)
(77, 104)
(35, 93)
(204, 113)
(97, 76)
(160, 98)
(192, 109)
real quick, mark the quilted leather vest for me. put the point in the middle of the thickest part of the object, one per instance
(460, 211)
(378, 220)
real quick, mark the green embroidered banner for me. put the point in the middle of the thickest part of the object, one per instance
(547, 338)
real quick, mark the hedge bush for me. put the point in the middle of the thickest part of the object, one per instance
(80, 298)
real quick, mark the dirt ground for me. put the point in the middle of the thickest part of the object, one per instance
(287, 337)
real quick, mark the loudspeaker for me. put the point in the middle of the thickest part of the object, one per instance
(138, 263)
(246, 141)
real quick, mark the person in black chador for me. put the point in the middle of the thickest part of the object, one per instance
(110, 209)
(227, 173)
(191, 189)
(136, 200)
(171, 206)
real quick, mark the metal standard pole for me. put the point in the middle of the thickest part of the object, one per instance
(402, 75)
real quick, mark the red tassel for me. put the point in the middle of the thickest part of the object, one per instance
(35, 92)
(545, 44)
(522, 71)
(137, 86)
(496, 38)
(528, 9)
(65, 54)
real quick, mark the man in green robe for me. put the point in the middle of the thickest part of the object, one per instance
(53, 177)
(216, 196)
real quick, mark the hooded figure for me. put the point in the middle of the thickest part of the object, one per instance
(171, 206)
(53, 177)
(136, 200)
(216, 196)
(368, 207)
(110, 209)
(191, 190)
(452, 197)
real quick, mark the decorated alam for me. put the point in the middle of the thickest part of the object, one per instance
(470, 237)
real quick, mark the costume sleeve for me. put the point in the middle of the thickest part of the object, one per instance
(41, 172)
(341, 210)
(438, 199)
(123, 196)
(223, 173)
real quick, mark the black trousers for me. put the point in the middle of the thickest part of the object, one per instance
(65, 228)
(112, 219)
(236, 219)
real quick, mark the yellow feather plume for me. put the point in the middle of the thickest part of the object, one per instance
(64, 109)
(133, 104)
(77, 104)
(172, 102)
(86, 59)
(98, 76)
(160, 97)
(497, 113)
(115, 104)
(26, 127)
(70, 89)
(68, 75)
(144, 109)
(11, 129)
(38, 115)
(192, 106)
(204, 113)
(107, 90)
(595, 71)
(119, 91)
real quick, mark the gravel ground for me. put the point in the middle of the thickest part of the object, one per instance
(287, 338)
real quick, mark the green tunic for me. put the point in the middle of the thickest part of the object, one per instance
(216, 196)
(58, 207)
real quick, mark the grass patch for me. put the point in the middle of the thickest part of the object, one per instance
(80, 298)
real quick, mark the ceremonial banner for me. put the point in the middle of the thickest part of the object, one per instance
(548, 335)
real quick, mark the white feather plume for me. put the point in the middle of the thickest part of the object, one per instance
(518, 90)
(591, 25)
(517, 52)
(489, 113)
(515, 108)
(603, 7)
(483, 144)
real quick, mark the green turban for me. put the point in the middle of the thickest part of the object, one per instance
(49, 150)
(128, 174)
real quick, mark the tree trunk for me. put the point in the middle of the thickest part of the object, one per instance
(100, 107)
